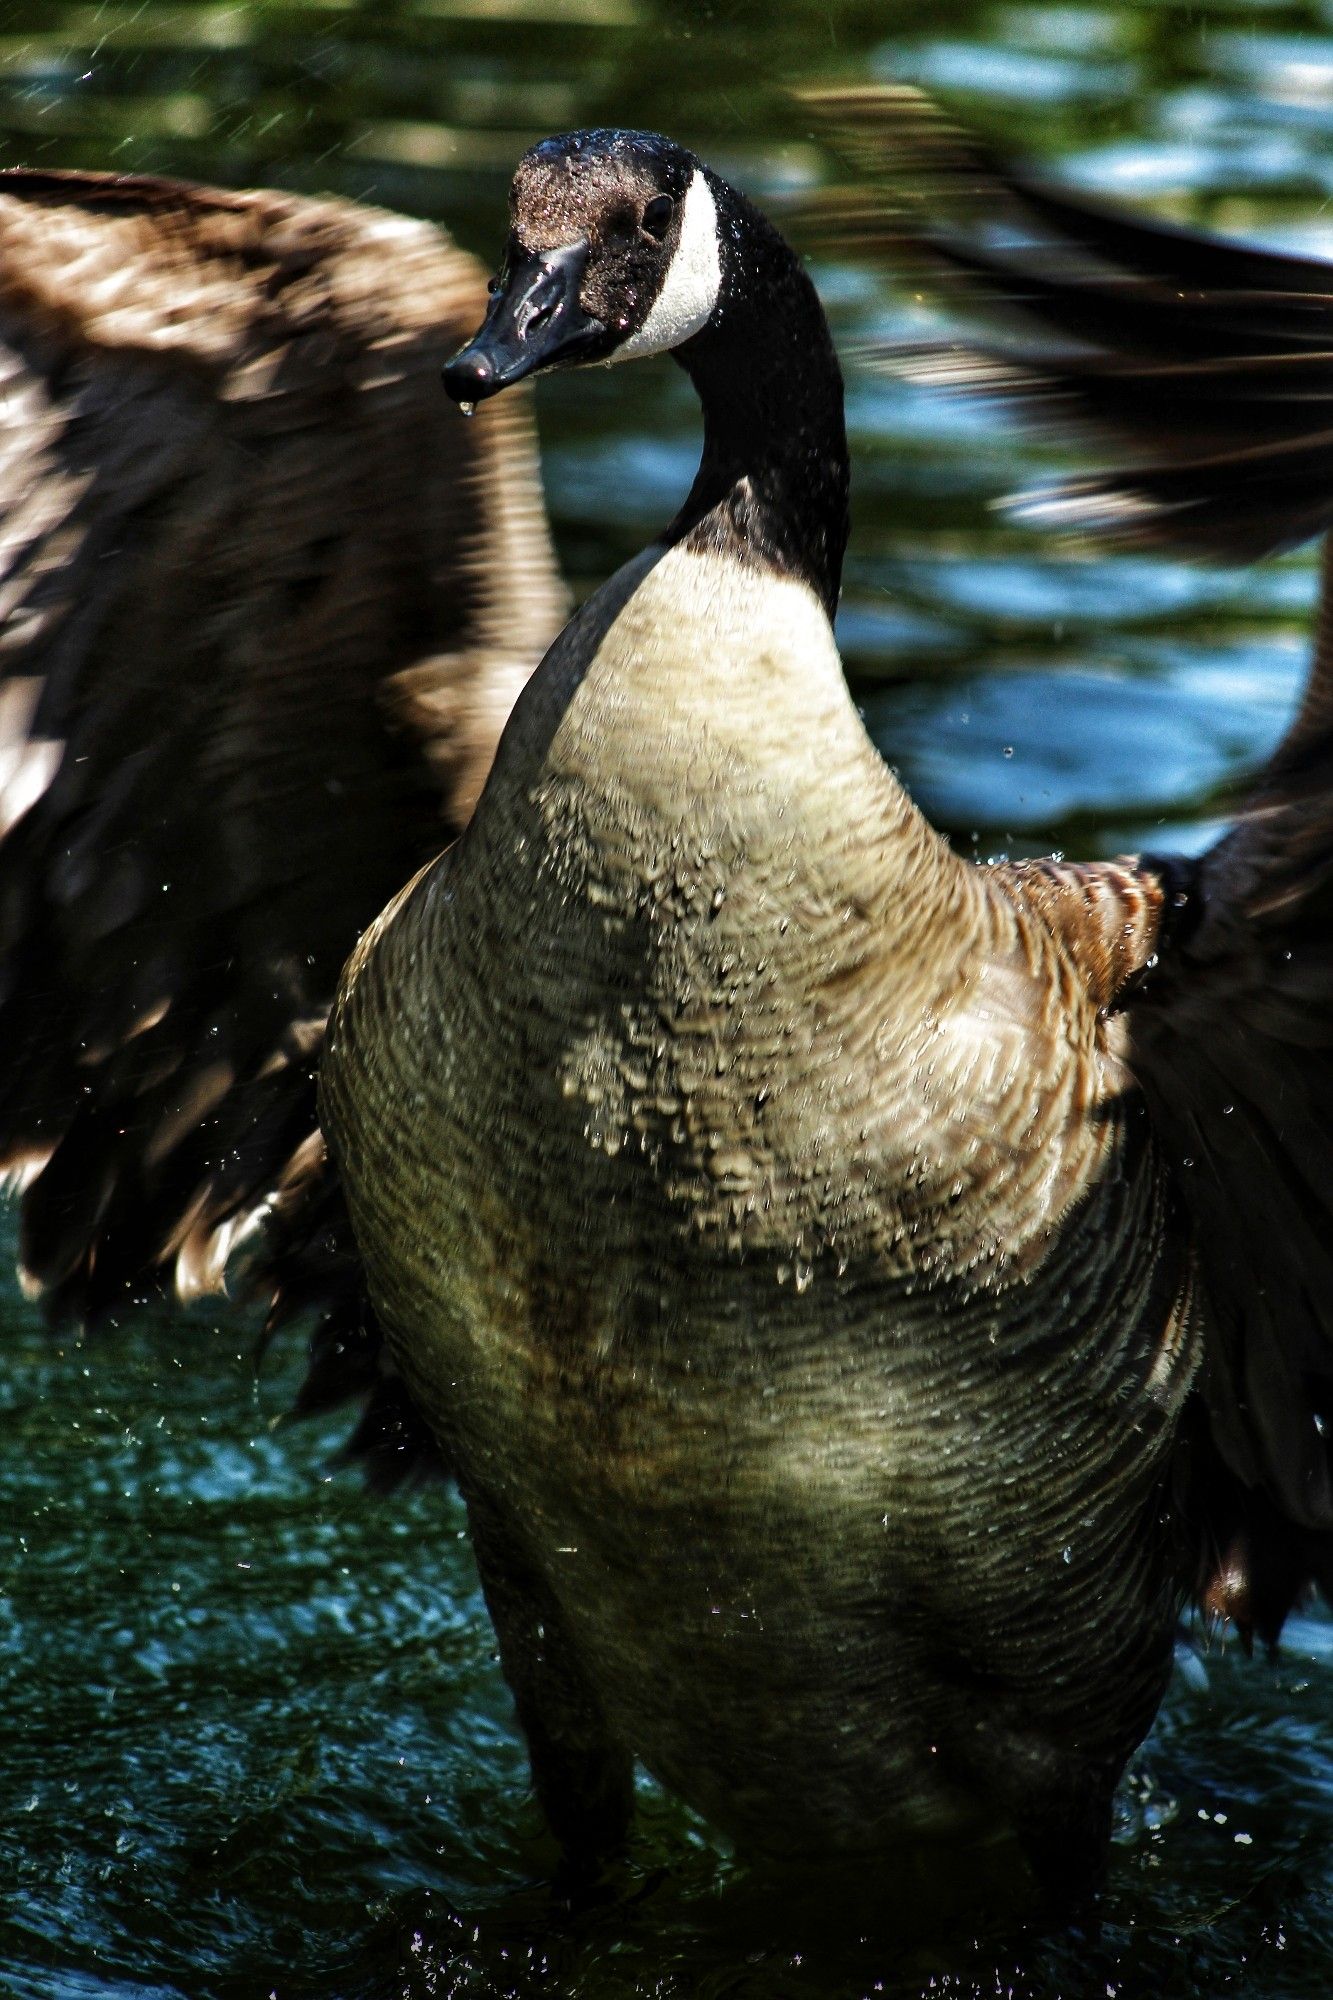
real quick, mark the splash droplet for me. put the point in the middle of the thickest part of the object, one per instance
(467, 409)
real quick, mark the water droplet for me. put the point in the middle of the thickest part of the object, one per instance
(1066, 1555)
(1008, 750)
(467, 409)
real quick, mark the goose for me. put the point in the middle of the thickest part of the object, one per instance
(242, 529)
(267, 600)
(862, 1294)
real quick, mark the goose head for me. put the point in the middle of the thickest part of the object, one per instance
(614, 251)
(622, 244)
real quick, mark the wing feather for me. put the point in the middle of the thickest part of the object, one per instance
(1209, 366)
(267, 599)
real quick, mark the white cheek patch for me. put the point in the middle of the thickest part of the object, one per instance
(693, 280)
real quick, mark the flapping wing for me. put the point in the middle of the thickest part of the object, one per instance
(1211, 359)
(1210, 366)
(267, 599)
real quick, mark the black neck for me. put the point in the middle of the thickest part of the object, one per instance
(772, 483)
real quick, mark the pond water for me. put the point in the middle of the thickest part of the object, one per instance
(253, 1739)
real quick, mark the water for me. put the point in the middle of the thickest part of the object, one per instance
(253, 1736)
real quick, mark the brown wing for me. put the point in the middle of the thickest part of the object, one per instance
(1211, 358)
(267, 600)
(1215, 362)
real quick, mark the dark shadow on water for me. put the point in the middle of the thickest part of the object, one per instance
(713, 1929)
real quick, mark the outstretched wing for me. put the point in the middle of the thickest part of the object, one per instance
(1210, 358)
(1211, 364)
(267, 599)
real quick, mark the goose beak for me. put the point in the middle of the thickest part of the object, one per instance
(534, 320)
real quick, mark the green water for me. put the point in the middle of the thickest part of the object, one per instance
(252, 1735)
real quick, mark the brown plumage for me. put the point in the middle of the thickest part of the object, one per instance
(864, 1294)
(267, 601)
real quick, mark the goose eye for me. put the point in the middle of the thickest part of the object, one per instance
(657, 216)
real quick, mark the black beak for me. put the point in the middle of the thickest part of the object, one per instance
(533, 320)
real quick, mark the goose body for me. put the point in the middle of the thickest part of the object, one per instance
(756, 1400)
(777, 1244)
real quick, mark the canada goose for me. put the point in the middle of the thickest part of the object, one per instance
(862, 1293)
(267, 600)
